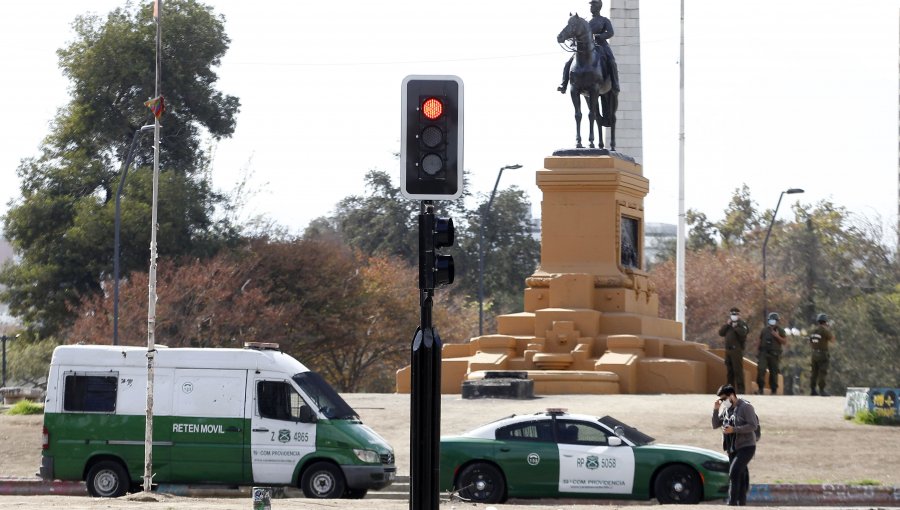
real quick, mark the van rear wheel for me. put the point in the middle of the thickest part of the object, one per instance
(107, 479)
(322, 480)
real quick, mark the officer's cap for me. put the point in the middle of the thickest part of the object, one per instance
(735, 309)
(725, 390)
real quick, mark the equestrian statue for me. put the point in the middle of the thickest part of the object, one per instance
(594, 75)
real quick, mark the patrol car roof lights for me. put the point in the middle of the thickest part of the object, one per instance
(262, 346)
(556, 410)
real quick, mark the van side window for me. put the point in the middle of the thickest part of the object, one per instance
(277, 400)
(90, 393)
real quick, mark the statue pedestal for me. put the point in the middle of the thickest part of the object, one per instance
(591, 321)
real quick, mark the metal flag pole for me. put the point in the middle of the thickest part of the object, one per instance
(151, 303)
(680, 240)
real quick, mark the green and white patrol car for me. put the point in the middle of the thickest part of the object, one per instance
(252, 416)
(554, 454)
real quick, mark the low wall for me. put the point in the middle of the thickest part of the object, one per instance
(881, 401)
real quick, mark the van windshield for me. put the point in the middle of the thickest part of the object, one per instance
(323, 395)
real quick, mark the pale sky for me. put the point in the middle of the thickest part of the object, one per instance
(779, 94)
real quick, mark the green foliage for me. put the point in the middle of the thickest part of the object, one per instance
(702, 235)
(741, 219)
(383, 223)
(866, 417)
(28, 360)
(24, 407)
(62, 226)
(511, 253)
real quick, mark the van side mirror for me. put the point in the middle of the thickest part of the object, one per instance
(614, 441)
(307, 415)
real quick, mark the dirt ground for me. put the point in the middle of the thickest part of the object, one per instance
(804, 440)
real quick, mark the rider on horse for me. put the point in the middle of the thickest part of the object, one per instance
(602, 29)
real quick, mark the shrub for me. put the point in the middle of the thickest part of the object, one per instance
(26, 407)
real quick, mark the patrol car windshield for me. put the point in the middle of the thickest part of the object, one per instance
(324, 397)
(632, 434)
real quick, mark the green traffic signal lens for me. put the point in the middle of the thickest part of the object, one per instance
(432, 164)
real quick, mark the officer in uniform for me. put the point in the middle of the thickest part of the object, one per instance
(602, 29)
(819, 339)
(735, 333)
(772, 340)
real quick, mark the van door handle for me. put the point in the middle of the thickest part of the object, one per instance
(260, 430)
(504, 449)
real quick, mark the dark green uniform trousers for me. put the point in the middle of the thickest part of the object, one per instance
(768, 360)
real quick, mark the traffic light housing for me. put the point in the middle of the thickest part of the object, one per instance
(431, 142)
(435, 269)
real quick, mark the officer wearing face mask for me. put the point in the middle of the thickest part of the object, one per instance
(772, 340)
(739, 422)
(735, 332)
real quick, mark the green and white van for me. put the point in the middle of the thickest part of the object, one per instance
(252, 416)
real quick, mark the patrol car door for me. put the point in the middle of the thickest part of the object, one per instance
(278, 439)
(527, 453)
(587, 464)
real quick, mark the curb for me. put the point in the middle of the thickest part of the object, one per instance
(764, 494)
(823, 494)
(10, 486)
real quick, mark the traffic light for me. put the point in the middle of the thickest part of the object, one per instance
(435, 269)
(431, 142)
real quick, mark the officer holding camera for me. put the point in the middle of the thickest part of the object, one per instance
(772, 340)
(735, 332)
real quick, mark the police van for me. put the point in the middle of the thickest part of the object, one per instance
(252, 416)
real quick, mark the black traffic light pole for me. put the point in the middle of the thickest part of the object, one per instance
(425, 392)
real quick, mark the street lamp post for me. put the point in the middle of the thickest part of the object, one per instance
(128, 159)
(484, 217)
(789, 191)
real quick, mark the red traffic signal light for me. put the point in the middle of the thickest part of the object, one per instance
(432, 108)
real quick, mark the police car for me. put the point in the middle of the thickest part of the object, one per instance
(555, 454)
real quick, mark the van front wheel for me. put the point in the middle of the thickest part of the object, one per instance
(107, 479)
(322, 480)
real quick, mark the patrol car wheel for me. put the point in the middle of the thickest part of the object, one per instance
(107, 479)
(322, 480)
(677, 485)
(482, 483)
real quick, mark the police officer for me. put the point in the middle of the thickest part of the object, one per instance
(735, 332)
(819, 339)
(772, 340)
(602, 29)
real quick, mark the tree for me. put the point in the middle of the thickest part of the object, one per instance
(718, 280)
(62, 227)
(382, 222)
(740, 219)
(511, 253)
(345, 315)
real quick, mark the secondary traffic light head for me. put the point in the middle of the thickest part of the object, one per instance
(431, 143)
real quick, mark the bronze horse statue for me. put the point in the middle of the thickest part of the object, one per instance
(588, 78)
